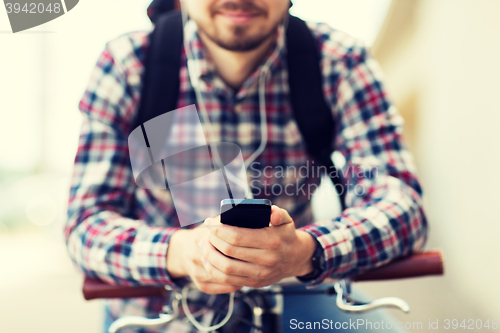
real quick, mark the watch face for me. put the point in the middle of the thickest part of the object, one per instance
(318, 263)
(319, 258)
(322, 261)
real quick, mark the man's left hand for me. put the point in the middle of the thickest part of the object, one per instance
(265, 255)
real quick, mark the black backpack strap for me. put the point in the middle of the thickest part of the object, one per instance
(160, 7)
(312, 113)
(160, 90)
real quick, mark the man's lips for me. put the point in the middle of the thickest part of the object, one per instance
(239, 17)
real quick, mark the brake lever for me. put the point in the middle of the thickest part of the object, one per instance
(344, 301)
(133, 321)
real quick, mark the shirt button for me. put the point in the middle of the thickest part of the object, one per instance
(238, 108)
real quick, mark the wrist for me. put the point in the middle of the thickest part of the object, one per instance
(175, 264)
(305, 250)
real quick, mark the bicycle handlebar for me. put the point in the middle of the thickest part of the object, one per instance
(416, 265)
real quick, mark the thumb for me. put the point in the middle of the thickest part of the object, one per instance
(279, 216)
(212, 221)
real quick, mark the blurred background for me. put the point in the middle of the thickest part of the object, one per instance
(442, 65)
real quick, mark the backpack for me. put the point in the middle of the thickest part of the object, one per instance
(160, 89)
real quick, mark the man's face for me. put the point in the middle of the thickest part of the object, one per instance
(237, 25)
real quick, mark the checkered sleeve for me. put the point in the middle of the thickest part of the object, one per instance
(104, 237)
(384, 218)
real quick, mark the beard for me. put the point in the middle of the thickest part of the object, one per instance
(239, 41)
(238, 38)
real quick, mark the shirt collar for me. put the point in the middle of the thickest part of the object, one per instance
(206, 68)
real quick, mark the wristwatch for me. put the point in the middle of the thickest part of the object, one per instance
(318, 264)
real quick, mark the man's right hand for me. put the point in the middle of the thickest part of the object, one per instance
(184, 259)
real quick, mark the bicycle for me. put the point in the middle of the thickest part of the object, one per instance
(416, 265)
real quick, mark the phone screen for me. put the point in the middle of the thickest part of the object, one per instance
(246, 213)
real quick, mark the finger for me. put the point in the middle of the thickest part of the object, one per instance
(226, 265)
(279, 216)
(216, 288)
(220, 277)
(213, 221)
(275, 215)
(202, 275)
(243, 237)
(210, 223)
(256, 256)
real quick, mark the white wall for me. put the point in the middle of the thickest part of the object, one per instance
(450, 60)
(459, 142)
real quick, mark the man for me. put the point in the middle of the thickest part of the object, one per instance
(123, 234)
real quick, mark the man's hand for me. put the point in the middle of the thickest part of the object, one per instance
(184, 259)
(256, 257)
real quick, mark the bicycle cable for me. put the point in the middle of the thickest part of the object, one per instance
(197, 324)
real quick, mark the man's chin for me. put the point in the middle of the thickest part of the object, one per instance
(240, 44)
(237, 38)
(238, 41)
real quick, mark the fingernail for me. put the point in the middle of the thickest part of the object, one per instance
(202, 244)
(204, 260)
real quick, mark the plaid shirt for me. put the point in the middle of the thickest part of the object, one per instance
(119, 233)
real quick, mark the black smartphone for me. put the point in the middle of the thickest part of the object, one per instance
(246, 213)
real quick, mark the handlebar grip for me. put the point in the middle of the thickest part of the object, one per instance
(416, 265)
(94, 289)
